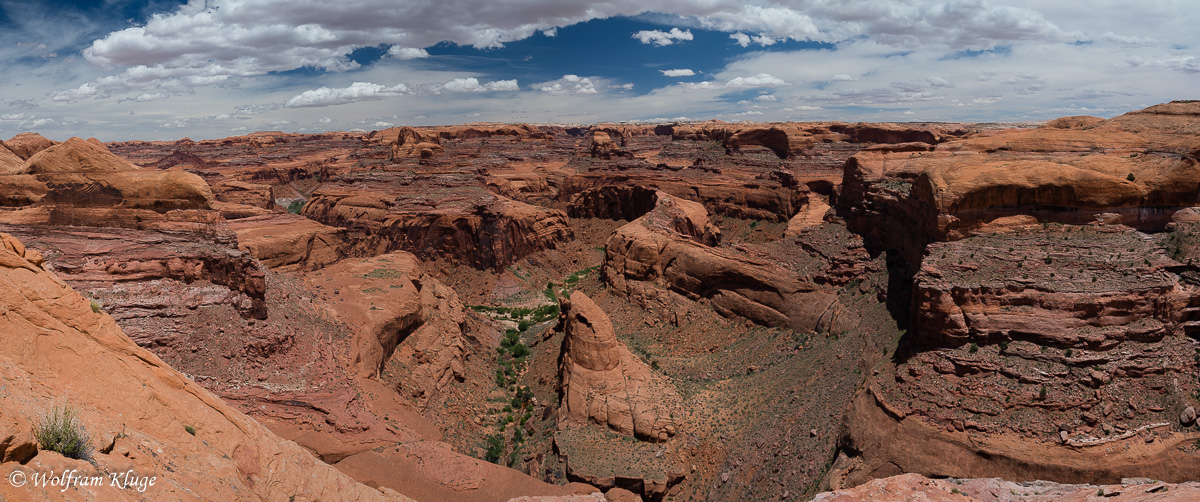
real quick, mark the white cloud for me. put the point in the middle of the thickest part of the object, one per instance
(358, 91)
(936, 81)
(759, 80)
(1128, 39)
(661, 38)
(682, 72)
(471, 84)
(745, 40)
(406, 53)
(842, 77)
(256, 108)
(325, 120)
(569, 84)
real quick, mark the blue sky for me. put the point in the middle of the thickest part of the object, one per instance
(126, 69)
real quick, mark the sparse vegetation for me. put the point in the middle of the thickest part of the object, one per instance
(296, 206)
(95, 306)
(190, 430)
(61, 430)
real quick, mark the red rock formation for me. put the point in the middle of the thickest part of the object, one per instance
(892, 441)
(132, 404)
(406, 319)
(1139, 165)
(10, 163)
(407, 142)
(908, 487)
(603, 147)
(446, 216)
(602, 382)
(1081, 288)
(672, 249)
(518, 132)
(757, 199)
(145, 263)
(26, 144)
(789, 139)
(288, 242)
(80, 173)
(240, 192)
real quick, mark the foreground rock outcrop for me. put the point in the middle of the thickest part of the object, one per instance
(602, 382)
(58, 348)
(916, 487)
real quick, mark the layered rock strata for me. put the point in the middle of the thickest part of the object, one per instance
(602, 382)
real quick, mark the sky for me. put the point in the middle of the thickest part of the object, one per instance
(163, 70)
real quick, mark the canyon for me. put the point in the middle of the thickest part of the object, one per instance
(677, 311)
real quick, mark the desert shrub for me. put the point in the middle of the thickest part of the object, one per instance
(190, 430)
(495, 448)
(296, 206)
(62, 431)
(95, 306)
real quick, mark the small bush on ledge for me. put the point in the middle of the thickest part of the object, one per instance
(62, 431)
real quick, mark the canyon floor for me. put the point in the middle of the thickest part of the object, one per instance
(697, 311)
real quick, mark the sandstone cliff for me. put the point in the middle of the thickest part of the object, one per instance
(135, 407)
(602, 382)
(439, 216)
(672, 250)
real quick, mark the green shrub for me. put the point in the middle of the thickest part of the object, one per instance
(95, 306)
(190, 430)
(61, 430)
(495, 448)
(296, 206)
(1130, 177)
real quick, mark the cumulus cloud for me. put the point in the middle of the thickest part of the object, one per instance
(221, 42)
(569, 84)
(406, 53)
(358, 91)
(661, 38)
(745, 40)
(471, 84)
(681, 72)
(759, 80)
